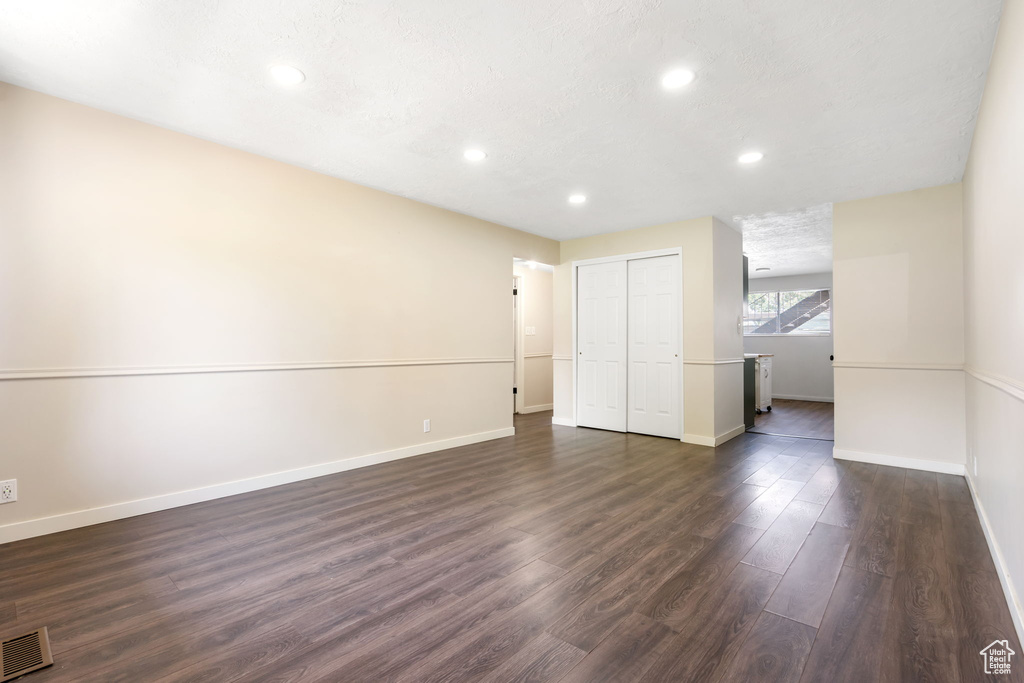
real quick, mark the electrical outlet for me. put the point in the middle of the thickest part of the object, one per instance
(8, 491)
(426, 426)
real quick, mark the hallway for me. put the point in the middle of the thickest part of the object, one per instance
(805, 419)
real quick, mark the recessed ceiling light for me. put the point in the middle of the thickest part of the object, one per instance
(758, 270)
(286, 75)
(677, 78)
(577, 198)
(751, 157)
(475, 154)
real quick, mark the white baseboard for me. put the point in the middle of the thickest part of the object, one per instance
(816, 399)
(537, 409)
(718, 440)
(1012, 601)
(899, 461)
(731, 434)
(107, 513)
(562, 422)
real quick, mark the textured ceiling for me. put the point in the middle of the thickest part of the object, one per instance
(790, 243)
(846, 99)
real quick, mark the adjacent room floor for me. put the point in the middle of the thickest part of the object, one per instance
(806, 419)
(559, 554)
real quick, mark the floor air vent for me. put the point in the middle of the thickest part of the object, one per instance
(19, 656)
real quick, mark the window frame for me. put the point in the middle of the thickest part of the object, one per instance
(778, 294)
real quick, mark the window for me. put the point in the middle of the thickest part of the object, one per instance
(806, 311)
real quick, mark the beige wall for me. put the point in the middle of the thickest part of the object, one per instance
(899, 328)
(899, 278)
(709, 389)
(994, 242)
(128, 250)
(536, 299)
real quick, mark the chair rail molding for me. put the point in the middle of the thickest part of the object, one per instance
(712, 361)
(61, 373)
(1004, 384)
(886, 365)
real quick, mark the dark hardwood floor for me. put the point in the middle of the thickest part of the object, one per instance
(806, 419)
(559, 554)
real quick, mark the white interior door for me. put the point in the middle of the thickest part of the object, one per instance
(653, 347)
(601, 346)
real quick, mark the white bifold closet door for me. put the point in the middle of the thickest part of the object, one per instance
(601, 346)
(628, 328)
(652, 347)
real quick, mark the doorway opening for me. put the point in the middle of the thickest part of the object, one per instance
(532, 336)
(788, 323)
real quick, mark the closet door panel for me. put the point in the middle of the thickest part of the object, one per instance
(654, 313)
(601, 346)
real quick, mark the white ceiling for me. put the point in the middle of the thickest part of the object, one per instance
(790, 243)
(846, 98)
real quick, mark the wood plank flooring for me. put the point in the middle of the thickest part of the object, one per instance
(807, 419)
(558, 554)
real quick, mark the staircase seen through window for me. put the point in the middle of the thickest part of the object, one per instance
(806, 311)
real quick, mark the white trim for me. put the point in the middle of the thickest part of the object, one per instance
(536, 409)
(698, 439)
(558, 356)
(1009, 592)
(815, 399)
(899, 461)
(654, 253)
(537, 355)
(72, 520)
(574, 270)
(707, 361)
(702, 440)
(574, 273)
(884, 365)
(537, 265)
(1004, 384)
(731, 434)
(519, 378)
(11, 374)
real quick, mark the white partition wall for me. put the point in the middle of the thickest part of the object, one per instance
(993, 301)
(899, 330)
